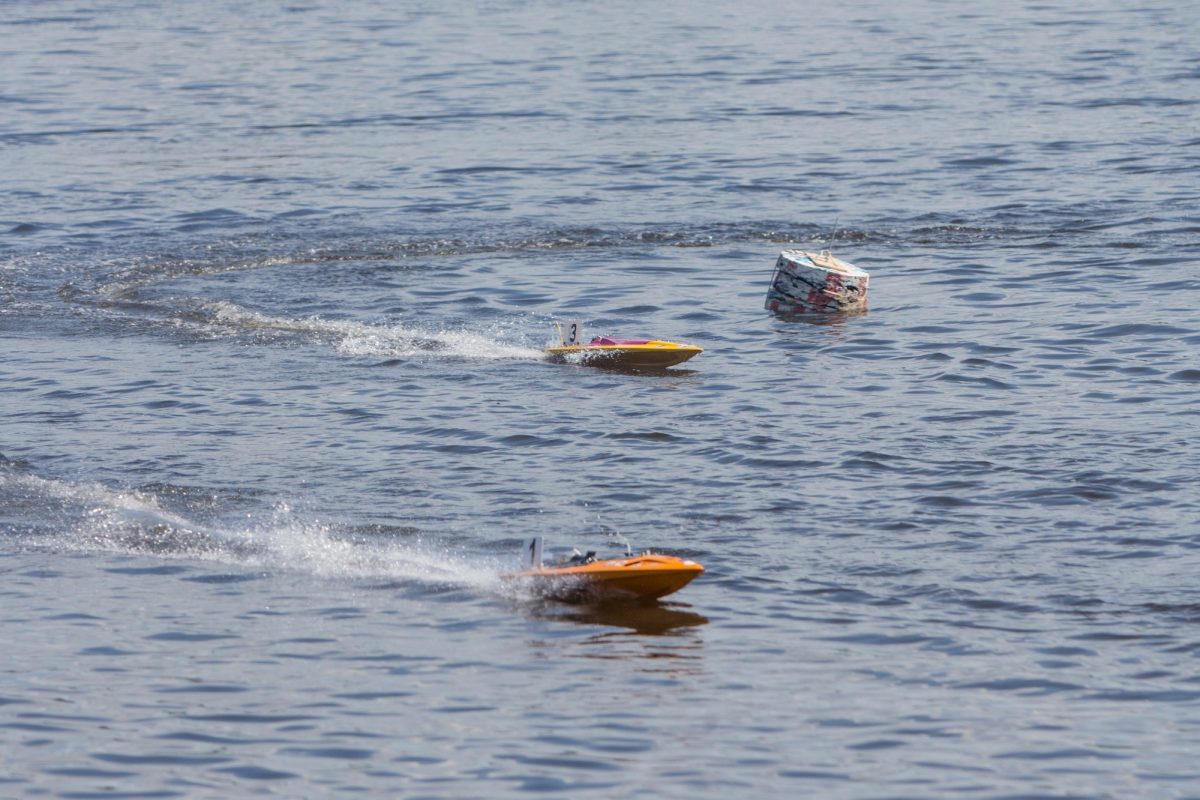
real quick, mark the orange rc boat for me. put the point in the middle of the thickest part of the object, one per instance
(582, 576)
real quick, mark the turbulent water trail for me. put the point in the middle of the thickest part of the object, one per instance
(361, 339)
(88, 518)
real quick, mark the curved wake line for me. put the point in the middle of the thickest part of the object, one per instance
(347, 337)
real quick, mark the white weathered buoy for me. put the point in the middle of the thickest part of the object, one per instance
(806, 283)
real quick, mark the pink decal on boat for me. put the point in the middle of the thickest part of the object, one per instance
(600, 340)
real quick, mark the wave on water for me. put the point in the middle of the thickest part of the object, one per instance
(91, 518)
(119, 277)
(279, 243)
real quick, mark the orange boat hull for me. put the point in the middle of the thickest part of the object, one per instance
(646, 577)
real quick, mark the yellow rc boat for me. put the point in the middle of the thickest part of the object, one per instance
(584, 577)
(604, 351)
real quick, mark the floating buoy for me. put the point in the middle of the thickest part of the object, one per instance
(820, 283)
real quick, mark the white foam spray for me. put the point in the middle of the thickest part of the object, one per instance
(389, 341)
(89, 518)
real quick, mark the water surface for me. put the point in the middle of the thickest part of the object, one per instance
(274, 285)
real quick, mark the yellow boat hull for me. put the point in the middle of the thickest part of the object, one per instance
(653, 354)
(645, 577)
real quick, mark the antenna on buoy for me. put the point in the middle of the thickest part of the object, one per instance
(827, 249)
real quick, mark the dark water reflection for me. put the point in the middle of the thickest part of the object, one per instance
(644, 619)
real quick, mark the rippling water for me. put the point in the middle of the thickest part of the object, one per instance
(274, 284)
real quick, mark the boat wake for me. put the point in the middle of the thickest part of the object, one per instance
(179, 297)
(354, 338)
(90, 518)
